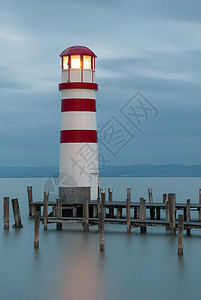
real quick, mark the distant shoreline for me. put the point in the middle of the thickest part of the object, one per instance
(168, 170)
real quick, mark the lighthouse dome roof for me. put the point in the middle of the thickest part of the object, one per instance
(80, 50)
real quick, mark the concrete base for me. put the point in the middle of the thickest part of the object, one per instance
(69, 195)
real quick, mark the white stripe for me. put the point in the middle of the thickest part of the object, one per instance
(77, 164)
(78, 120)
(78, 93)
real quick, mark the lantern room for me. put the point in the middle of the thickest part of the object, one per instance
(78, 64)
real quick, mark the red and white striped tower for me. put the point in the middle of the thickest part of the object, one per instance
(78, 173)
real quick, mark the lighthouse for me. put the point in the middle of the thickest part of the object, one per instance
(78, 171)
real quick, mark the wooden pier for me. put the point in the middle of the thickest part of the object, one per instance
(140, 214)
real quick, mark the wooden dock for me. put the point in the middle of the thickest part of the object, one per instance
(140, 214)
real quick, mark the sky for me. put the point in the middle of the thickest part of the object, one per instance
(148, 69)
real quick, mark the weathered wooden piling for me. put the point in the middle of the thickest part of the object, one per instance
(111, 209)
(101, 231)
(188, 214)
(36, 228)
(167, 214)
(45, 209)
(180, 234)
(172, 200)
(103, 201)
(152, 209)
(164, 198)
(200, 204)
(128, 212)
(59, 213)
(16, 214)
(86, 215)
(6, 212)
(142, 213)
(150, 195)
(30, 199)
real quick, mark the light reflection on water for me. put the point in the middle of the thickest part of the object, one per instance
(68, 264)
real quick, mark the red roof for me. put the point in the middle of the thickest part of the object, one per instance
(77, 50)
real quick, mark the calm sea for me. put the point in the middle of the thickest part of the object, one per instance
(68, 264)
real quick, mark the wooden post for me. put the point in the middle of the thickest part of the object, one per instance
(171, 199)
(6, 212)
(142, 214)
(150, 195)
(167, 214)
(164, 198)
(30, 199)
(45, 209)
(180, 234)
(128, 211)
(101, 231)
(200, 204)
(36, 231)
(111, 210)
(158, 213)
(103, 200)
(188, 214)
(59, 213)
(86, 215)
(16, 213)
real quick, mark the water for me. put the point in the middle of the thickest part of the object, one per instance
(68, 264)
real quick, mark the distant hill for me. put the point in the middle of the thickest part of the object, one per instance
(29, 172)
(170, 170)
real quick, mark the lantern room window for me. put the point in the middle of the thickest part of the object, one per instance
(65, 62)
(86, 62)
(75, 61)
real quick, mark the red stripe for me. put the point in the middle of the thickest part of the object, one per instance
(78, 85)
(78, 105)
(78, 136)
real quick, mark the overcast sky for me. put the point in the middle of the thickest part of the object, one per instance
(152, 47)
